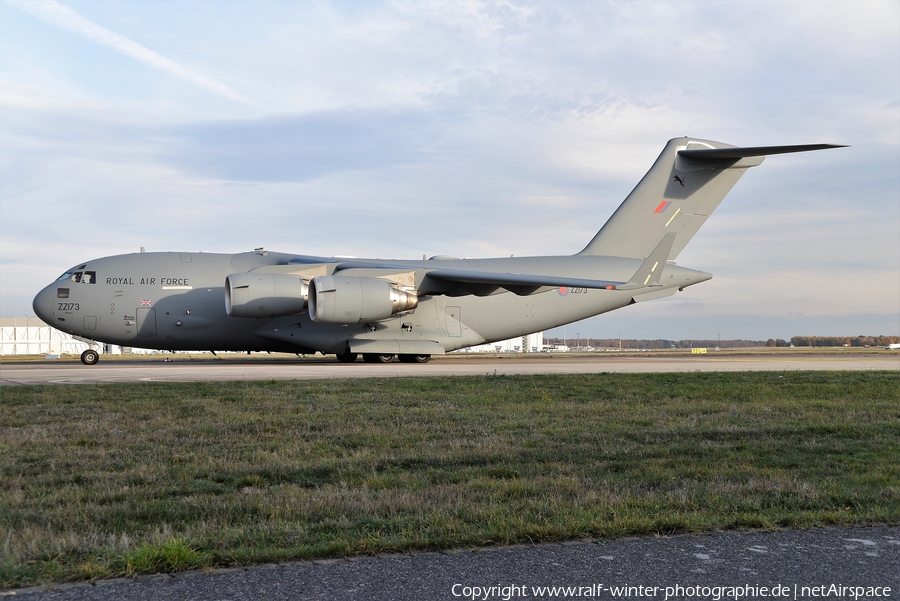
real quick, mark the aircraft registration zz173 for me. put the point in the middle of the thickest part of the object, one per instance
(270, 301)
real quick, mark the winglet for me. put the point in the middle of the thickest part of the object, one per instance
(648, 273)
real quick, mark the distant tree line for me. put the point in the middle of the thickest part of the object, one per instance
(602, 343)
(835, 341)
(632, 343)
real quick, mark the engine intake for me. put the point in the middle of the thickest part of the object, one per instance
(264, 294)
(347, 299)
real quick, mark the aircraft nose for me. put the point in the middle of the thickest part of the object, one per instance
(43, 304)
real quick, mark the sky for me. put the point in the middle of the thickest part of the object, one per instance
(472, 129)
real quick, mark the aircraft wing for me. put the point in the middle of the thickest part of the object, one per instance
(647, 276)
(523, 284)
(502, 279)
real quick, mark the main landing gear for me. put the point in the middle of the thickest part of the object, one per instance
(90, 357)
(382, 358)
(415, 358)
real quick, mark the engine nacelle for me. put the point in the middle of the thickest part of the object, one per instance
(348, 299)
(264, 294)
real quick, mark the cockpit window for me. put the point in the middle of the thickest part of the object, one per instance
(83, 277)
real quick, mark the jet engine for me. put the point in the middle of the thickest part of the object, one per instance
(264, 294)
(347, 299)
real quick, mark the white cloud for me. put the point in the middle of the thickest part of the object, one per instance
(63, 16)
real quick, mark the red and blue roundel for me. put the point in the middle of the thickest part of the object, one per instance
(563, 290)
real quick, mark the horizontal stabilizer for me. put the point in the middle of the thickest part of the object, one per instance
(715, 154)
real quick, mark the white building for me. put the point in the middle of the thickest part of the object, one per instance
(31, 336)
(530, 343)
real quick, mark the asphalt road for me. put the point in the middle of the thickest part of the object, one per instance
(864, 561)
(210, 370)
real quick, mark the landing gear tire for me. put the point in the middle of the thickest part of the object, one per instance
(347, 357)
(90, 357)
(377, 358)
(415, 358)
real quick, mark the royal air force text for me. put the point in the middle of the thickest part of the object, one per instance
(162, 281)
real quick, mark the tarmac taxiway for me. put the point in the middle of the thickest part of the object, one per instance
(185, 370)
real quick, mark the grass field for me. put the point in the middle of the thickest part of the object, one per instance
(104, 480)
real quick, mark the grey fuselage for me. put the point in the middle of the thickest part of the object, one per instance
(176, 301)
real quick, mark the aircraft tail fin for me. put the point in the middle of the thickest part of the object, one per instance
(683, 187)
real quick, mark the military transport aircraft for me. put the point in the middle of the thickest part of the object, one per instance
(271, 301)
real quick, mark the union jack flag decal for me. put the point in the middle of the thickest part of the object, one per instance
(146, 303)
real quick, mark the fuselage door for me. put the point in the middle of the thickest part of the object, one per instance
(453, 327)
(146, 321)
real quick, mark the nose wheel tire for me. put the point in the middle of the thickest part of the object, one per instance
(415, 358)
(377, 358)
(347, 357)
(90, 357)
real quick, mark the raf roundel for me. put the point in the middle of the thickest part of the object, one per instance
(563, 290)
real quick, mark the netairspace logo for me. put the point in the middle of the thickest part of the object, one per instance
(710, 593)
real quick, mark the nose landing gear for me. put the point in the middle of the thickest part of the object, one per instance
(90, 357)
